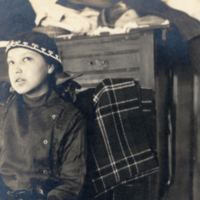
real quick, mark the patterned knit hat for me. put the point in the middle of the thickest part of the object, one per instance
(35, 41)
(45, 46)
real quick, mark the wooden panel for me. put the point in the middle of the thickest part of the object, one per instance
(97, 48)
(162, 109)
(196, 141)
(147, 77)
(95, 45)
(108, 63)
(181, 187)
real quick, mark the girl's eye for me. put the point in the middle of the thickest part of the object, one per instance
(27, 59)
(11, 62)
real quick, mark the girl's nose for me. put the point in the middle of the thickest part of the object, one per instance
(17, 69)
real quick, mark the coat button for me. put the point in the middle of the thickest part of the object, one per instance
(45, 141)
(45, 171)
(54, 117)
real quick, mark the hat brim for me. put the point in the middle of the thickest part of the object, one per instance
(66, 76)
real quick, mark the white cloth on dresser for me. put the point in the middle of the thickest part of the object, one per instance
(75, 21)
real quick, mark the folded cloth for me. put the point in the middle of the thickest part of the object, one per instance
(120, 148)
(75, 21)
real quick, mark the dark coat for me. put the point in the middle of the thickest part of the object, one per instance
(43, 146)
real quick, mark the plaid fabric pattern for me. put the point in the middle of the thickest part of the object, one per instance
(120, 147)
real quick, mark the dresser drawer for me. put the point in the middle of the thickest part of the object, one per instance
(104, 62)
(96, 68)
(113, 56)
(87, 46)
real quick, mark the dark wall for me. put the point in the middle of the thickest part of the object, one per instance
(15, 16)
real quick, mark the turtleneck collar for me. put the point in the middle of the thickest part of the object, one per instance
(35, 102)
(41, 100)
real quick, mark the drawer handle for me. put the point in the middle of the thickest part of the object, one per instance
(98, 64)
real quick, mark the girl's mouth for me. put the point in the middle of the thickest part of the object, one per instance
(19, 80)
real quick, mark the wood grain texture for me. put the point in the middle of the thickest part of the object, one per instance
(112, 56)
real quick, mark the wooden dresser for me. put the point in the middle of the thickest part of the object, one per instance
(106, 56)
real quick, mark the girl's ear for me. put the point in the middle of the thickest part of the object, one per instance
(51, 68)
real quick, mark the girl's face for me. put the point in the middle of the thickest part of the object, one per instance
(28, 72)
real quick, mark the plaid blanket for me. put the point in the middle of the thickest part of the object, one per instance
(120, 146)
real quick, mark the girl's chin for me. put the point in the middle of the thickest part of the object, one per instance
(32, 91)
(22, 91)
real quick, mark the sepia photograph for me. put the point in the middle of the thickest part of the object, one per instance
(99, 100)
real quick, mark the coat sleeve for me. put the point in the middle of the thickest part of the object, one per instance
(72, 169)
(5, 97)
(4, 92)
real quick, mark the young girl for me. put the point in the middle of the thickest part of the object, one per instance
(42, 134)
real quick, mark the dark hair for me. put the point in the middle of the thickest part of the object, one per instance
(57, 69)
(50, 61)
